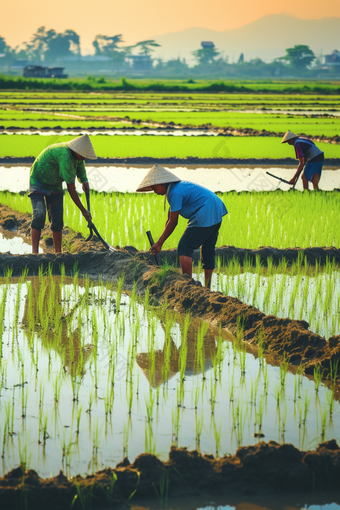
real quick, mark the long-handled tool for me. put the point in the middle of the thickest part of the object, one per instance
(280, 179)
(151, 244)
(93, 228)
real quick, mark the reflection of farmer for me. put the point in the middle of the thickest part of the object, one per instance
(162, 365)
(200, 206)
(44, 315)
(309, 156)
(57, 163)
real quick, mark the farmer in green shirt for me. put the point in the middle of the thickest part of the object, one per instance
(58, 163)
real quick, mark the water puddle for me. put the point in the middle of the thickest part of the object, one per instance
(12, 243)
(90, 375)
(126, 178)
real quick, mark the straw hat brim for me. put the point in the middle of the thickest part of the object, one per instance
(157, 175)
(289, 136)
(82, 146)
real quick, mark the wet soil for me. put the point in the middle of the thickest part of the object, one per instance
(281, 337)
(227, 130)
(265, 468)
(225, 162)
(19, 224)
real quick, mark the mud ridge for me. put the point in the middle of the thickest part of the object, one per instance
(227, 130)
(165, 126)
(254, 470)
(281, 337)
(270, 162)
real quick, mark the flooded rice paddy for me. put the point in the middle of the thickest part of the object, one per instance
(314, 299)
(90, 375)
(126, 178)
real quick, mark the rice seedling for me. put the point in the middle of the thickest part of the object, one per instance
(318, 376)
(163, 489)
(283, 370)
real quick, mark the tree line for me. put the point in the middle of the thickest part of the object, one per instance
(49, 47)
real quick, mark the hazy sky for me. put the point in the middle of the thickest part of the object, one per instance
(142, 19)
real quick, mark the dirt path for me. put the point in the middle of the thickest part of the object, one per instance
(253, 471)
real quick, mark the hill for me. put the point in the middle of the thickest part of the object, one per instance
(266, 38)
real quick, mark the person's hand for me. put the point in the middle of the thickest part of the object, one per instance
(156, 248)
(86, 187)
(87, 215)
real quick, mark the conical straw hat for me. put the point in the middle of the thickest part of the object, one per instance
(157, 175)
(288, 136)
(82, 146)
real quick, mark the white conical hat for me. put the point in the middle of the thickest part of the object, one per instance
(157, 175)
(288, 136)
(82, 146)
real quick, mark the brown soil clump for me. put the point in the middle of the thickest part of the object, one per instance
(267, 468)
(13, 223)
(280, 337)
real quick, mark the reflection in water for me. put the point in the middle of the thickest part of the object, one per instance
(44, 314)
(196, 354)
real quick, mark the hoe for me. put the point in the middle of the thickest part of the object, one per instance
(280, 179)
(92, 227)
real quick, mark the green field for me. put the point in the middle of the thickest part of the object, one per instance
(163, 146)
(278, 219)
(238, 111)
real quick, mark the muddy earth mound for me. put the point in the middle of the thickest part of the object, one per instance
(13, 223)
(279, 337)
(267, 468)
(232, 162)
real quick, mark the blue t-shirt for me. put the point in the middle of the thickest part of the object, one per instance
(197, 204)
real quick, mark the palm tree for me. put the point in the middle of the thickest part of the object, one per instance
(146, 47)
(106, 45)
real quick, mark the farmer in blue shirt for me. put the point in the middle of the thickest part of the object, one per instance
(200, 206)
(310, 157)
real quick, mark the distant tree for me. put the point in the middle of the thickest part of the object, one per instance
(106, 45)
(3, 45)
(175, 67)
(50, 45)
(299, 57)
(62, 45)
(205, 56)
(146, 47)
(241, 59)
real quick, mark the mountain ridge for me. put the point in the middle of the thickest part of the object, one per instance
(266, 38)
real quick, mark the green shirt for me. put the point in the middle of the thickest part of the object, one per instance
(55, 164)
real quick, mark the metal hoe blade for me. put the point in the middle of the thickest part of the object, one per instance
(151, 244)
(92, 228)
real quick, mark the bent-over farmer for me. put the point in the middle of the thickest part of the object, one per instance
(58, 163)
(310, 157)
(200, 206)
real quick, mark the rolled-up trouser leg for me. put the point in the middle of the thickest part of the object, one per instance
(39, 210)
(55, 211)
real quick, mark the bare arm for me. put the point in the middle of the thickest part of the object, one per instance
(298, 171)
(74, 195)
(170, 226)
